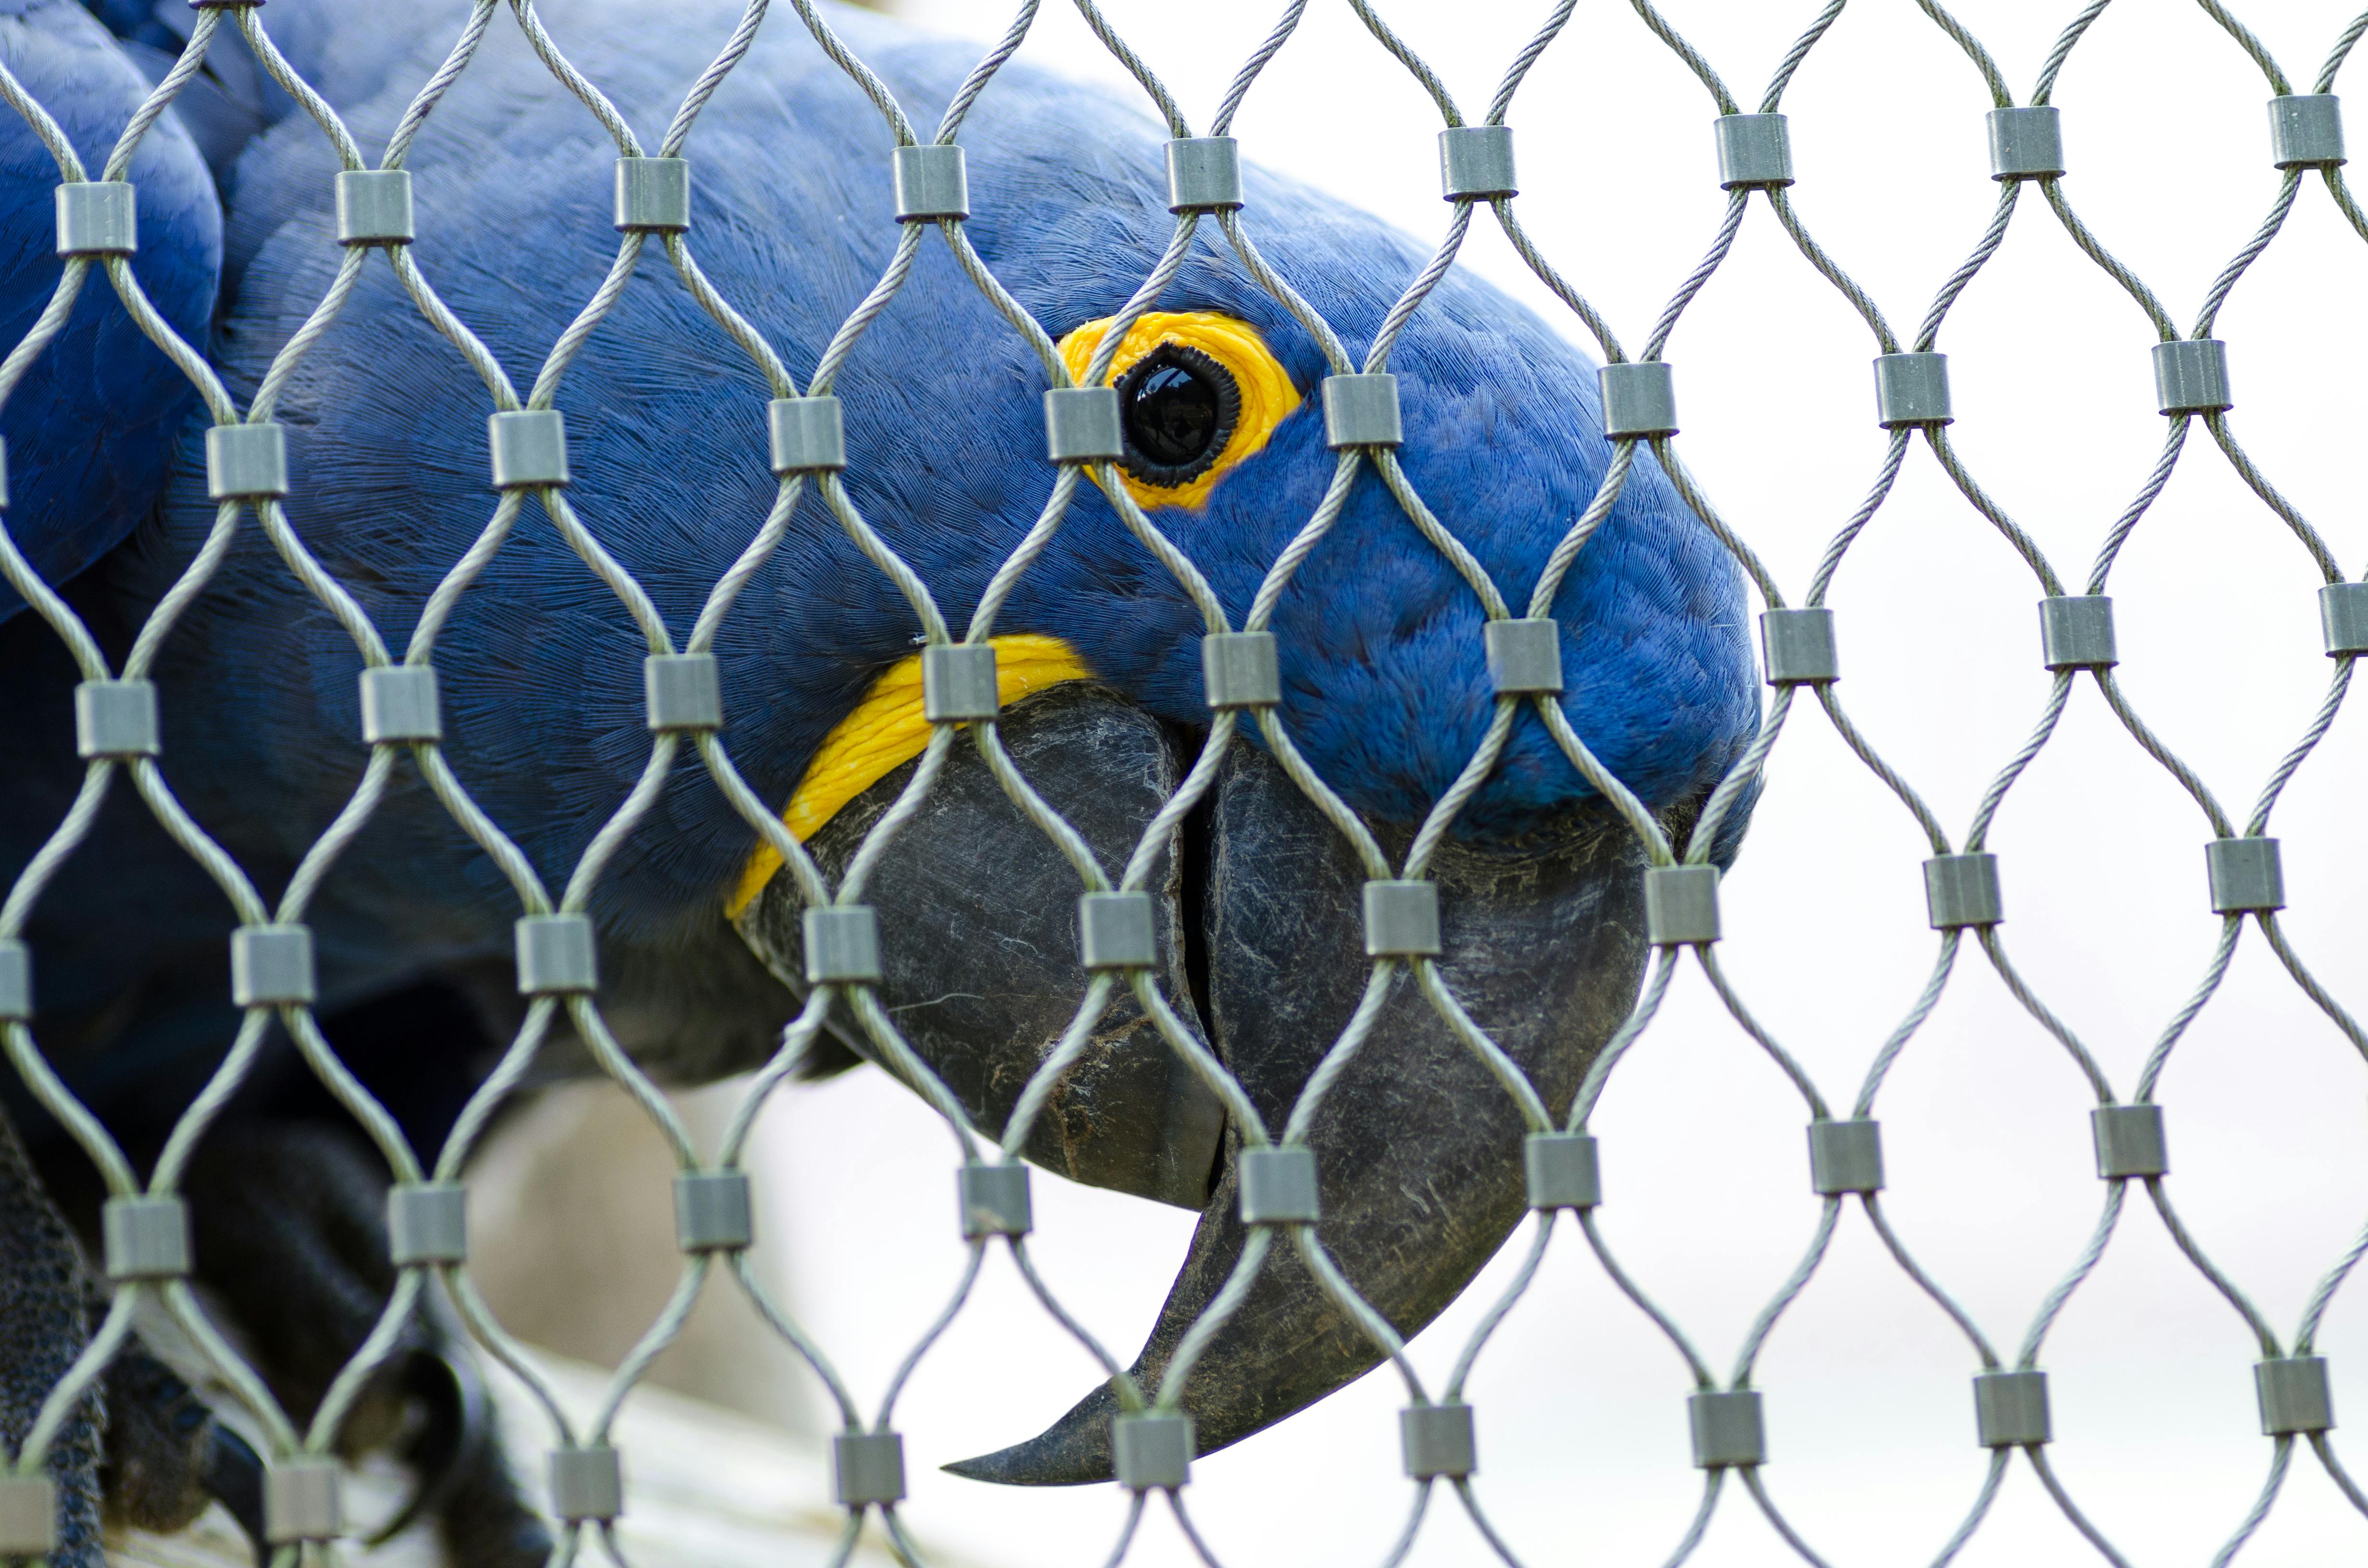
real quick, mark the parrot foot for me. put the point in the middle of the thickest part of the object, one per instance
(167, 1457)
(143, 1450)
(291, 1235)
(43, 1326)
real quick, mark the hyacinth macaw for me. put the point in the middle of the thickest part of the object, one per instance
(1384, 687)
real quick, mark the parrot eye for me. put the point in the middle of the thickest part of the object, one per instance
(1177, 406)
(1198, 394)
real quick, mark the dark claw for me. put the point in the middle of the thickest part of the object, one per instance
(449, 1442)
(233, 1477)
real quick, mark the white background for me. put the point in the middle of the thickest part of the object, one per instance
(1580, 1402)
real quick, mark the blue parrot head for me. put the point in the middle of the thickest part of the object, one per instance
(1386, 688)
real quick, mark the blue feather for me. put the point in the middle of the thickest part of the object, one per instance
(90, 428)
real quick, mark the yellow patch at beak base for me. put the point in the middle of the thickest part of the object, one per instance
(885, 731)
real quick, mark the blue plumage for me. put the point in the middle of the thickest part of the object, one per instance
(89, 428)
(1384, 686)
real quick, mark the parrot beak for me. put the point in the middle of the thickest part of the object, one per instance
(978, 936)
(1419, 1147)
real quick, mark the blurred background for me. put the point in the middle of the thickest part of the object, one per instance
(1582, 1430)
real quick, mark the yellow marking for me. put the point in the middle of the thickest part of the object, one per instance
(885, 731)
(1268, 397)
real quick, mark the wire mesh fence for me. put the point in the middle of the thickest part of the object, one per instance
(802, 903)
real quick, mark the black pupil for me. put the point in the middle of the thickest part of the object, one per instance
(1173, 413)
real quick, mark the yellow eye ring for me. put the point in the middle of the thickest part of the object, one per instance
(1264, 395)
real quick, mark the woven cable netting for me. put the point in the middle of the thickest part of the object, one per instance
(1962, 875)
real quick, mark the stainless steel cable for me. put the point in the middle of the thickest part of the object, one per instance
(628, 821)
